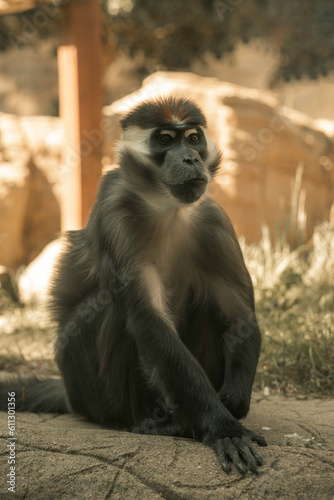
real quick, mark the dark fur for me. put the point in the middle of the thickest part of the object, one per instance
(161, 112)
(154, 304)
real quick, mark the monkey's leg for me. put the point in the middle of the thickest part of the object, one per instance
(152, 426)
(77, 360)
(177, 375)
(161, 423)
(241, 352)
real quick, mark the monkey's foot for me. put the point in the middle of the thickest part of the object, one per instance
(151, 426)
(257, 438)
(237, 447)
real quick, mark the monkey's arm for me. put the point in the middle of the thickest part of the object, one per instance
(181, 380)
(232, 292)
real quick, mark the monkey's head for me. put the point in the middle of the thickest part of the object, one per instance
(171, 133)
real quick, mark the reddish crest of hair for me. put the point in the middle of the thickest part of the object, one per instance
(164, 111)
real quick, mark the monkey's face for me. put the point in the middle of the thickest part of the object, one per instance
(180, 152)
(171, 134)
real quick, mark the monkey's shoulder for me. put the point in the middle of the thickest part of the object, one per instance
(215, 234)
(214, 217)
(116, 199)
(109, 182)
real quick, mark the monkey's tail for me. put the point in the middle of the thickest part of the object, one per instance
(33, 394)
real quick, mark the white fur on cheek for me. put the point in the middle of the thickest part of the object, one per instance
(211, 146)
(137, 139)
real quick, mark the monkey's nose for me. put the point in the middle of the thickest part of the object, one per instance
(190, 159)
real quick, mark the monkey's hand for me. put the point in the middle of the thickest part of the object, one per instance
(235, 445)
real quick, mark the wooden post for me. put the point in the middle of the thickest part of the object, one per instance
(80, 103)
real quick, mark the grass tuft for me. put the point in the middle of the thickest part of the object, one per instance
(294, 290)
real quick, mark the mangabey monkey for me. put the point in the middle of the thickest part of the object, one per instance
(152, 298)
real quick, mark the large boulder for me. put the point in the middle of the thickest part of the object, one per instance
(277, 168)
(14, 195)
(278, 164)
(30, 213)
(30, 178)
(34, 281)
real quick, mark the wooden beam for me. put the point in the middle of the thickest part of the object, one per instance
(15, 6)
(80, 103)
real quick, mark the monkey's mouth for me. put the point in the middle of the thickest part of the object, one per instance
(189, 191)
(198, 179)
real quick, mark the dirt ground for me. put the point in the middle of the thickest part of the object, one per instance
(63, 457)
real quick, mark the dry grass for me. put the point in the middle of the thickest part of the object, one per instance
(295, 307)
(26, 340)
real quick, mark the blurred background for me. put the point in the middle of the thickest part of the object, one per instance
(263, 72)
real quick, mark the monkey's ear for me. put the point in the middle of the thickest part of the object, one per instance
(215, 155)
(136, 139)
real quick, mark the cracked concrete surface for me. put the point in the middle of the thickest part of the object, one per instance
(64, 457)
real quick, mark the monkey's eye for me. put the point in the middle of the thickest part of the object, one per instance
(194, 138)
(165, 139)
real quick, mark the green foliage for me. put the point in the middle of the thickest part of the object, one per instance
(173, 34)
(307, 47)
(27, 28)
